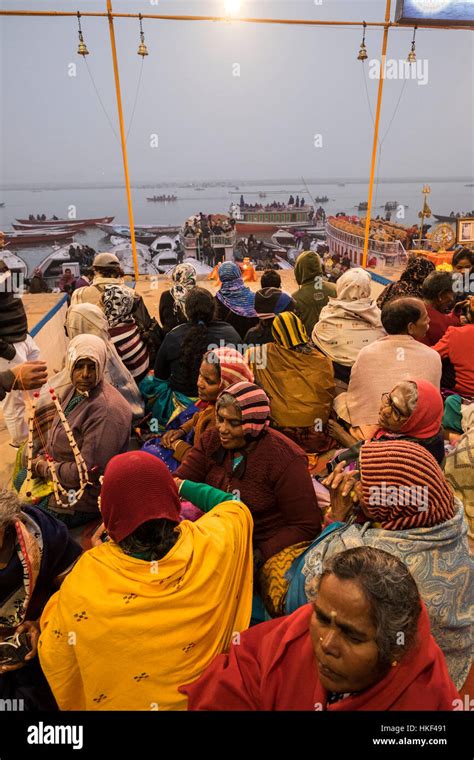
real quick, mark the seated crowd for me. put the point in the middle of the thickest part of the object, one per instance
(262, 503)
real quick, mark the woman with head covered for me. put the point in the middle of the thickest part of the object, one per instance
(93, 426)
(363, 644)
(152, 607)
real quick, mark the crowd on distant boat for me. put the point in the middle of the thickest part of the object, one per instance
(274, 206)
(256, 501)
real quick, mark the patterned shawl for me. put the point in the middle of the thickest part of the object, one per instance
(117, 303)
(184, 280)
(233, 293)
(438, 559)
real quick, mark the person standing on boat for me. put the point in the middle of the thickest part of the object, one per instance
(16, 347)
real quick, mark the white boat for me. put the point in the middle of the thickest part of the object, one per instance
(124, 253)
(52, 266)
(165, 261)
(14, 263)
(164, 243)
(283, 237)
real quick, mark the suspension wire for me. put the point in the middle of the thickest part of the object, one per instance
(136, 99)
(100, 100)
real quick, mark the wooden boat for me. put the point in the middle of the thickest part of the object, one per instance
(27, 238)
(162, 198)
(67, 222)
(36, 227)
(363, 206)
(144, 233)
(269, 219)
(51, 267)
(2, 205)
(391, 205)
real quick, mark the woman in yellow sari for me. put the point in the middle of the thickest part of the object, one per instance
(149, 609)
(299, 381)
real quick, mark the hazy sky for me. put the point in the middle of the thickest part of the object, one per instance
(295, 82)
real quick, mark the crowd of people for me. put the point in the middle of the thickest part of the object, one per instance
(259, 501)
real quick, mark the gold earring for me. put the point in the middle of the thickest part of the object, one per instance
(394, 664)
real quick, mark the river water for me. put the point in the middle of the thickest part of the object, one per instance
(445, 197)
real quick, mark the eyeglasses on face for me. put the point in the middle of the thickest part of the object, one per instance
(387, 400)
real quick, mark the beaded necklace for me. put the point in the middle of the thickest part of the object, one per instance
(72, 496)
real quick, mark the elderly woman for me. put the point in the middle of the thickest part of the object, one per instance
(349, 322)
(153, 606)
(118, 303)
(31, 539)
(235, 302)
(269, 472)
(412, 411)
(408, 510)
(314, 291)
(299, 381)
(174, 385)
(219, 369)
(171, 309)
(363, 644)
(91, 425)
(410, 282)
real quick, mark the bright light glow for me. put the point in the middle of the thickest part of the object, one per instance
(232, 7)
(430, 6)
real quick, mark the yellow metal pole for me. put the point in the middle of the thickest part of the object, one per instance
(376, 133)
(123, 139)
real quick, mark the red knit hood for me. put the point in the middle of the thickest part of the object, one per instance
(137, 487)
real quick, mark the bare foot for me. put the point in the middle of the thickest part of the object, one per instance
(340, 434)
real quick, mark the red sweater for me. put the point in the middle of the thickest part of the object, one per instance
(276, 487)
(439, 323)
(457, 345)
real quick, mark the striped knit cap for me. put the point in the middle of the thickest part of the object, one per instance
(232, 365)
(254, 405)
(403, 486)
(289, 331)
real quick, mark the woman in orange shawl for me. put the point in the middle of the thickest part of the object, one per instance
(364, 644)
(150, 609)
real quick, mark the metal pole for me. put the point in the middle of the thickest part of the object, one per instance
(376, 133)
(123, 139)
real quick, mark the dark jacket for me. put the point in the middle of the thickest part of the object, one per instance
(169, 363)
(240, 324)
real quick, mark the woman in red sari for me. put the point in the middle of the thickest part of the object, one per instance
(364, 644)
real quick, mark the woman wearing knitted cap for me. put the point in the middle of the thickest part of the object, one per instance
(413, 410)
(219, 368)
(313, 291)
(235, 302)
(171, 309)
(244, 455)
(91, 425)
(299, 382)
(403, 505)
(156, 604)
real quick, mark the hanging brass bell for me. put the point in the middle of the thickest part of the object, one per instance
(412, 56)
(362, 52)
(142, 49)
(82, 49)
